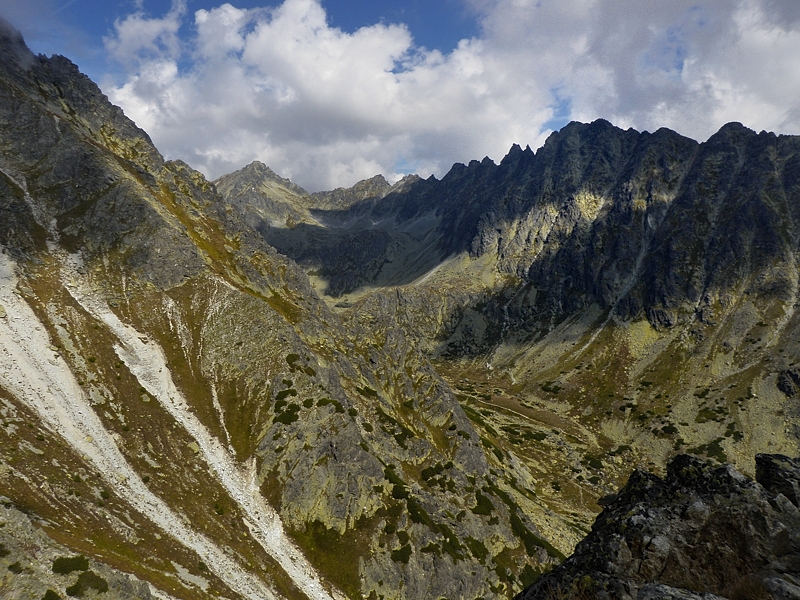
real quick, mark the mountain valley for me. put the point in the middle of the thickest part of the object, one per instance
(426, 389)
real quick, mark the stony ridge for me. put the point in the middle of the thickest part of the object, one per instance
(701, 532)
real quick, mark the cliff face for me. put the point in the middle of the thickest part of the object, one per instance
(656, 225)
(700, 532)
(178, 402)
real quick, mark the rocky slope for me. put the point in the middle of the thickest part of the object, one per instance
(701, 532)
(610, 300)
(34, 566)
(178, 403)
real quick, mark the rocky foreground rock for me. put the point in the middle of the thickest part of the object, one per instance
(701, 532)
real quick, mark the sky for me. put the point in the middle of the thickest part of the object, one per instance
(329, 92)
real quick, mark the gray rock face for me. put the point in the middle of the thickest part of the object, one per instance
(264, 198)
(698, 532)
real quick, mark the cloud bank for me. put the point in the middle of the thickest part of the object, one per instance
(328, 108)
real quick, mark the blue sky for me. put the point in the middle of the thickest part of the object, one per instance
(328, 92)
(77, 27)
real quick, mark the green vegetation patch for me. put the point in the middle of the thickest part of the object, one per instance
(550, 387)
(705, 415)
(713, 449)
(593, 462)
(731, 431)
(64, 565)
(429, 472)
(529, 576)
(495, 450)
(16, 568)
(283, 394)
(669, 429)
(476, 418)
(3, 551)
(88, 580)
(51, 595)
(418, 514)
(450, 543)
(478, 548)
(399, 487)
(285, 308)
(288, 416)
(483, 505)
(402, 554)
(337, 555)
(326, 401)
(367, 392)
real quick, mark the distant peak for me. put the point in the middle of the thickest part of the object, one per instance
(256, 173)
(516, 153)
(731, 132)
(258, 167)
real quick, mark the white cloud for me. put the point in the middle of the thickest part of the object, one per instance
(327, 108)
(139, 39)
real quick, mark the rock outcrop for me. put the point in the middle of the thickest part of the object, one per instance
(701, 532)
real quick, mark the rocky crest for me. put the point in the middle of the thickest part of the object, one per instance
(700, 532)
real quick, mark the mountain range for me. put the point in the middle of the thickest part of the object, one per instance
(430, 389)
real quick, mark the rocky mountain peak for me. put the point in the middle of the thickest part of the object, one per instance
(260, 176)
(14, 53)
(366, 190)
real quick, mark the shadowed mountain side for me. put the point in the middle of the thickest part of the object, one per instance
(668, 230)
(347, 260)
